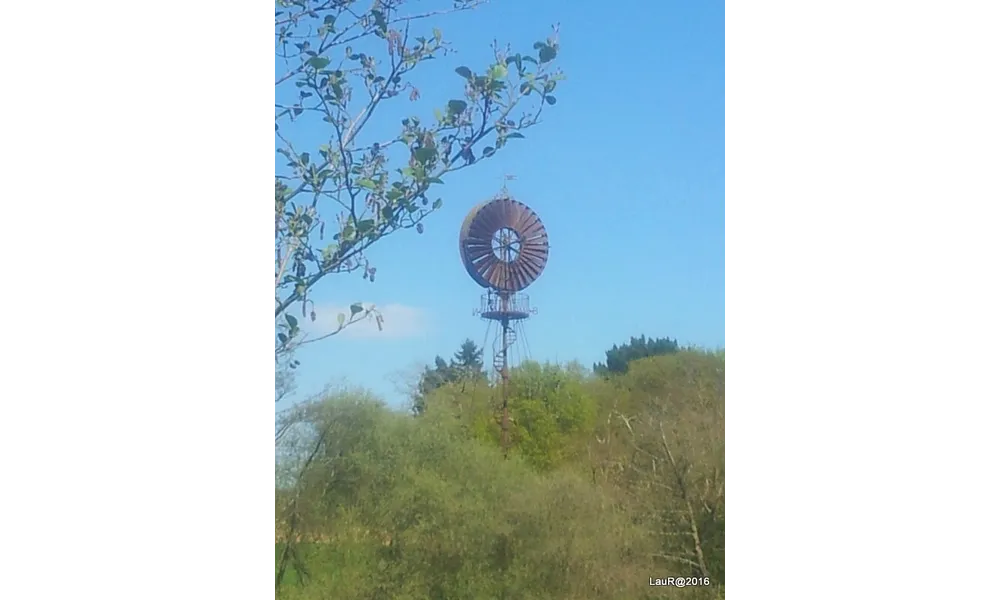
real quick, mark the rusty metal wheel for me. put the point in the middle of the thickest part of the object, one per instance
(503, 245)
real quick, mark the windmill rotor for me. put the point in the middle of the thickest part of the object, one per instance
(503, 245)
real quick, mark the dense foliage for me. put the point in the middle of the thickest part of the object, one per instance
(466, 366)
(611, 481)
(618, 357)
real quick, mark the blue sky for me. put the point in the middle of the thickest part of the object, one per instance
(626, 172)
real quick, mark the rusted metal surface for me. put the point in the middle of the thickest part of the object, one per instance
(503, 245)
(495, 306)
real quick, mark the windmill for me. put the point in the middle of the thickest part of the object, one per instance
(504, 248)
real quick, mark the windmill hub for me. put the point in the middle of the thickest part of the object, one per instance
(506, 244)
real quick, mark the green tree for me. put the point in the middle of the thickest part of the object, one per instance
(468, 360)
(618, 357)
(341, 63)
(611, 480)
(467, 365)
(391, 507)
(432, 379)
(552, 413)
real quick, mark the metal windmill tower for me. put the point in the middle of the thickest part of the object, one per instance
(504, 247)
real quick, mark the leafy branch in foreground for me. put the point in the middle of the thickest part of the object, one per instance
(343, 63)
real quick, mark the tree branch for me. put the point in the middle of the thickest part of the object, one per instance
(680, 559)
(284, 262)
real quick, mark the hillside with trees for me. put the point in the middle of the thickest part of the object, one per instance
(611, 481)
(619, 357)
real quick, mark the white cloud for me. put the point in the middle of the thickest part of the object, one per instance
(398, 321)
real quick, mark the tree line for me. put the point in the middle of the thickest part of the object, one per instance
(611, 480)
(467, 364)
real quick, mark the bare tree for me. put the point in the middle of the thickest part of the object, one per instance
(668, 452)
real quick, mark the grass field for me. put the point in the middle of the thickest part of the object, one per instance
(354, 572)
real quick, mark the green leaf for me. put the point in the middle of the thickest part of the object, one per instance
(356, 308)
(488, 151)
(498, 72)
(282, 338)
(457, 106)
(464, 72)
(424, 154)
(304, 158)
(550, 99)
(434, 180)
(365, 226)
(437, 204)
(514, 135)
(380, 21)
(292, 322)
(546, 54)
(368, 184)
(318, 62)
(340, 319)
